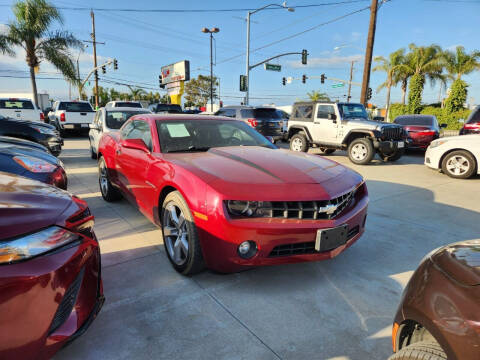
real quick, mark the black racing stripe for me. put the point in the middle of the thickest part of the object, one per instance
(244, 161)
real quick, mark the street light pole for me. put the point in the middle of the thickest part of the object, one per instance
(247, 69)
(211, 32)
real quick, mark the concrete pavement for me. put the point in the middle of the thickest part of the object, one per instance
(340, 309)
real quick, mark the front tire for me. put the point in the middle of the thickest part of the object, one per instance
(424, 350)
(108, 191)
(361, 151)
(299, 142)
(459, 164)
(180, 235)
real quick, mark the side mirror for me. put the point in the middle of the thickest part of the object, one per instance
(332, 117)
(443, 126)
(137, 144)
(461, 121)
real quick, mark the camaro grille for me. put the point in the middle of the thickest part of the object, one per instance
(305, 247)
(393, 133)
(311, 210)
(67, 303)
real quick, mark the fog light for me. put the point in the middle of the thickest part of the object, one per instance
(247, 249)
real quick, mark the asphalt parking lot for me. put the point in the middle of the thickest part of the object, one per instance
(338, 309)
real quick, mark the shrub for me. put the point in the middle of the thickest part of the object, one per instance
(447, 117)
(458, 96)
(397, 110)
(415, 93)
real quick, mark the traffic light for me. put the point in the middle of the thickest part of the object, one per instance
(304, 57)
(369, 93)
(284, 81)
(96, 73)
(243, 83)
(160, 82)
(304, 78)
(104, 69)
(322, 78)
(115, 64)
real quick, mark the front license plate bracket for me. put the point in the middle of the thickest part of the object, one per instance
(329, 239)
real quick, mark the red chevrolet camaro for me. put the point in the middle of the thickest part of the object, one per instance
(226, 197)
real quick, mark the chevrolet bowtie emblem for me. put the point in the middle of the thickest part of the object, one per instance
(329, 209)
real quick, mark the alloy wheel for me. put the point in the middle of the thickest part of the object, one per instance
(175, 234)
(103, 178)
(359, 152)
(297, 144)
(458, 165)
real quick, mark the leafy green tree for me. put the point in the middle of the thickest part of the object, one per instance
(390, 66)
(31, 31)
(318, 96)
(197, 91)
(424, 63)
(457, 97)
(136, 93)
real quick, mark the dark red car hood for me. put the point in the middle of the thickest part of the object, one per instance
(263, 168)
(27, 205)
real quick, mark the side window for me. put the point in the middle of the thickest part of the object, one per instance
(303, 113)
(141, 130)
(247, 113)
(126, 130)
(324, 110)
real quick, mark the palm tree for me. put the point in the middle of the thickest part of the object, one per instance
(136, 93)
(390, 66)
(424, 63)
(30, 31)
(458, 62)
(318, 96)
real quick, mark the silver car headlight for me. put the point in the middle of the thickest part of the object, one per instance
(43, 129)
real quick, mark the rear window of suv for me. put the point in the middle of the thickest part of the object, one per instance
(170, 108)
(128, 104)
(16, 104)
(260, 114)
(75, 107)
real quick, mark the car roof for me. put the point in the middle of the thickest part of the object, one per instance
(246, 107)
(180, 117)
(15, 98)
(125, 108)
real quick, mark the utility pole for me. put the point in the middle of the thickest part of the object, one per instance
(369, 51)
(247, 70)
(94, 58)
(350, 82)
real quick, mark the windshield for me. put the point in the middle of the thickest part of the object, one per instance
(16, 104)
(353, 111)
(201, 135)
(75, 107)
(128, 104)
(115, 119)
(414, 120)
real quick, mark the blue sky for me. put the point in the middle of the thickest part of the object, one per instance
(143, 42)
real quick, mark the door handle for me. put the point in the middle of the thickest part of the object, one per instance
(118, 151)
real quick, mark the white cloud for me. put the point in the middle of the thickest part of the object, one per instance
(328, 62)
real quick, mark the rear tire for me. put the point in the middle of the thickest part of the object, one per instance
(180, 236)
(459, 164)
(425, 350)
(108, 191)
(299, 142)
(326, 151)
(361, 151)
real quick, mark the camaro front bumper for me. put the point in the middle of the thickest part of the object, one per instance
(220, 249)
(47, 301)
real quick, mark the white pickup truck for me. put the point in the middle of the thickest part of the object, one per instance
(22, 109)
(71, 115)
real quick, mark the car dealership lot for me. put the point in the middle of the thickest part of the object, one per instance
(336, 309)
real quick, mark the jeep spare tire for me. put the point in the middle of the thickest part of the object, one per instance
(361, 151)
(299, 142)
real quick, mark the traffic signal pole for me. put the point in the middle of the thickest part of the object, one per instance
(94, 57)
(369, 51)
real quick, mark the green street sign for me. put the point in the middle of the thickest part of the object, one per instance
(272, 67)
(338, 85)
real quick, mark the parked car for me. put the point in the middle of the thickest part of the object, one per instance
(22, 142)
(226, 197)
(267, 121)
(284, 116)
(472, 124)
(439, 314)
(122, 104)
(108, 119)
(165, 108)
(71, 115)
(456, 156)
(331, 126)
(50, 269)
(22, 109)
(27, 160)
(421, 129)
(40, 133)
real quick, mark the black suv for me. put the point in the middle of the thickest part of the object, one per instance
(267, 121)
(165, 108)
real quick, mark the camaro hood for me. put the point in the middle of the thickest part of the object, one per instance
(27, 205)
(29, 123)
(22, 142)
(461, 261)
(263, 168)
(19, 150)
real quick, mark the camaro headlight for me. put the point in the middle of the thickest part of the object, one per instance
(44, 130)
(31, 245)
(35, 165)
(249, 208)
(436, 143)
